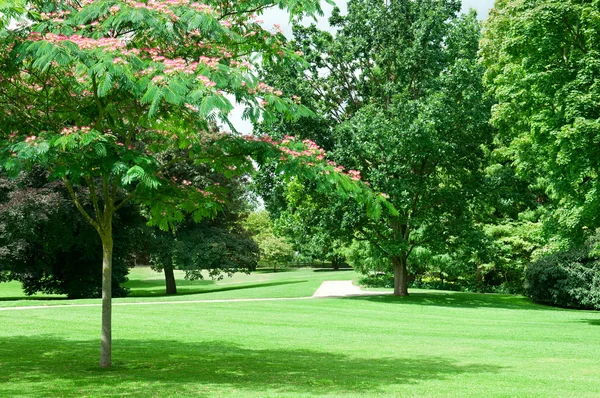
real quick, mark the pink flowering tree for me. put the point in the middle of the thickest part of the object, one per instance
(109, 96)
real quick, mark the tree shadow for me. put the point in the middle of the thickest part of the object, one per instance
(459, 300)
(271, 271)
(170, 367)
(146, 283)
(216, 289)
(593, 322)
(33, 298)
(332, 270)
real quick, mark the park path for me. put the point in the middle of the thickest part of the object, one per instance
(327, 289)
(341, 289)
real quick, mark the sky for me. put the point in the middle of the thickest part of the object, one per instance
(276, 16)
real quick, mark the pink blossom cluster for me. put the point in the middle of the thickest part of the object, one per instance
(176, 65)
(159, 6)
(205, 8)
(313, 150)
(74, 130)
(238, 64)
(263, 138)
(207, 82)
(354, 174)
(255, 18)
(263, 88)
(55, 16)
(211, 62)
(85, 43)
(31, 140)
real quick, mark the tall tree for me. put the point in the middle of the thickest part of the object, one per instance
(399, 87)
(543, 70)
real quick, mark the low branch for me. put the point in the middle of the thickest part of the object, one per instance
(84, 213)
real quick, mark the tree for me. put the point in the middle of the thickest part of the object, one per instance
(99, 92)
(542, 69)
(317, 223)
(404, 106)
(219, 245)
(274, 250)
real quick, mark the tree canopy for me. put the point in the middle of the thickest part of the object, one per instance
(399, 93)
(542, 69)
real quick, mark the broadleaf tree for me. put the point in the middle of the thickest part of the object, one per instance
(399, 96)
(99, 92)
(543, 70)
(109, 95)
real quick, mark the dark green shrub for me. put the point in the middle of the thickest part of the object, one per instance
(568, 278)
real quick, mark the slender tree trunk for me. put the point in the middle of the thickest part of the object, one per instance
(170, 279)
(335, 264)
(400, 275)
(106, 338)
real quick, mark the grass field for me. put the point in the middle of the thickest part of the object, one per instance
(431, 344)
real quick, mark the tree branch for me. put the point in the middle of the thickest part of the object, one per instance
(79, 206)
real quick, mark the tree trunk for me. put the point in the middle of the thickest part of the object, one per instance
(106, 338)
(335, 264)
(400, 276)
(170, 279)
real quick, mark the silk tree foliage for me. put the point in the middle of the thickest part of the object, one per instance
(399, 91)
(543, 70)
(100, 93)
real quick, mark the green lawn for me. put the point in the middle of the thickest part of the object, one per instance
(431, 344)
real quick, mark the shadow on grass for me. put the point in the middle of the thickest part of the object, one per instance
(184, 292)
(51, 366)
(593, 322)
(332, 270)
(459, 300)
(271, 271)
(148, 283)
(33, 298)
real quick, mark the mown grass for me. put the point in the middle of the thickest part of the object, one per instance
(431, 344)
(148, 285)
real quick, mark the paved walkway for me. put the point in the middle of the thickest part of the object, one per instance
(327, 289)
(341, 289)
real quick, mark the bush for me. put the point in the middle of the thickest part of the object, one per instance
(568, 279)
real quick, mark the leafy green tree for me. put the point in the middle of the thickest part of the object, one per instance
(316, 223)
(98, 92)
(219, 246)
(400, 94)
(274, 250)
(542, 69)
